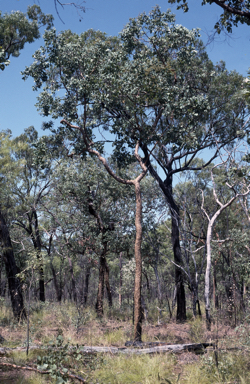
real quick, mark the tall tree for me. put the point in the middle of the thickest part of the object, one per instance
(144, 90)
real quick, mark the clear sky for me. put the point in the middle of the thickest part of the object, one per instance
(17, 110)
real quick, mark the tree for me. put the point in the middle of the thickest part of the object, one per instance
(234, 12)
(9, 172)
(143, 89)
(233, 178)
(17, 29)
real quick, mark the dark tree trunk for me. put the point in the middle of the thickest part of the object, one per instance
(175, 237)
(11, 271)
(138, 313)
(33, 230)
(106, 281)
(166, 187)
(100, 292)
(86, 285)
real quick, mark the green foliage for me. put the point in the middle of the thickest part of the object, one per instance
(56, 358)
(17, 29)
(234, 12)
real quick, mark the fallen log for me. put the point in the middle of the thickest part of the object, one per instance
(175, 348)
(159, 348)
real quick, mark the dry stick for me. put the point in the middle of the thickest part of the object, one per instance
(41, 372)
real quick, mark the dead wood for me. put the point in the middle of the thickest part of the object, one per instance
(154, 347)
(26, 368)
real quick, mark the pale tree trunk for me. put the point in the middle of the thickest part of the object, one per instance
(207, 275)
(209, 236)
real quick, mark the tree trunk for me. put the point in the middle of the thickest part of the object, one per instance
(86, 285)
(138, 266)
(120, 280)
(33, 230)
(106, 281)
(207, 275)
(11, 271)
(100, 292)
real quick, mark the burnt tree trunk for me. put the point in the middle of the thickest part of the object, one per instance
(11, 271)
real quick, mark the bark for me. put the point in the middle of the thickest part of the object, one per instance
(11, 271)
(86, 285)
(106, 281)
(138, 266)
(36, 239)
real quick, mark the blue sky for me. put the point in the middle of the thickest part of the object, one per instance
(16, 96)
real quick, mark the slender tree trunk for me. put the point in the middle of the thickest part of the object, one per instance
(106, 281)
(100, 292)
(180, 290)
(138, 266)
(207, 276)
(120, 280)
(86, 285)
(11, 271)
(38, 246)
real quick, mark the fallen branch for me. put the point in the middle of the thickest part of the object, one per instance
(159, 348)
(26, 368)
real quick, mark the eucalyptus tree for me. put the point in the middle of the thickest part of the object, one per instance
(17, 29)
(234, 12)
(143, 89)
(175, 111)
(9, 173)
(234, 177)
(32, 187)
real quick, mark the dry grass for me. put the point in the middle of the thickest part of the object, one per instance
(81, 327)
